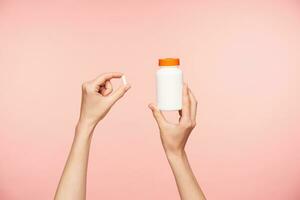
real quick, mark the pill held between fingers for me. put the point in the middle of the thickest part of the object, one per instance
(124, 80)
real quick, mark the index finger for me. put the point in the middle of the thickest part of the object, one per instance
(193, 105)
(186, 103)
(107, 76)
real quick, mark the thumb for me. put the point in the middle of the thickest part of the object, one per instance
(119, 93)
(159, 117)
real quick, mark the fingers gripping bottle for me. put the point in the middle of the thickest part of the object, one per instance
(169, 84)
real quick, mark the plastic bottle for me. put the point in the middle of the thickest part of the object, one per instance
(169, 84)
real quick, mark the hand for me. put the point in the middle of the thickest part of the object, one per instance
(175, 136)
(98, 97)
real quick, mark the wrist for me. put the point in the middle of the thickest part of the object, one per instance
(84, 130)
(175, 155)
(85, 122)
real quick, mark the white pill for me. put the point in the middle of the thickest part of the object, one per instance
(124, 80)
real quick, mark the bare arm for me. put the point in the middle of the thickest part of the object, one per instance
(97, 99)
(174, 138)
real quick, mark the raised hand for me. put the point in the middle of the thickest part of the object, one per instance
(175, 136)
(98, 97)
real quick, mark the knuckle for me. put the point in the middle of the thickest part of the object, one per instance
(84, 86)
(187, 124)
(121, 94)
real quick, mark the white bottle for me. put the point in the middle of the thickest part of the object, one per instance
(169, 85)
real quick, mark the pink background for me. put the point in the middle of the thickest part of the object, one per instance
(241, 58)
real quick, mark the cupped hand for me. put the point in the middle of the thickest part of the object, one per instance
(175, 136)
(98, 97)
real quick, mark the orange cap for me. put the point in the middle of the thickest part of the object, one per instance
(168, 62)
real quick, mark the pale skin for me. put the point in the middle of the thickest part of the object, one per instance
(174, 138)
(98, 96)
(97, 99)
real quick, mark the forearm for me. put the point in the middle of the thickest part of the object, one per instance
(72, 185)
(187, 184)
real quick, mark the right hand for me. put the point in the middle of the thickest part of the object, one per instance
(175, 136)
(98, 97)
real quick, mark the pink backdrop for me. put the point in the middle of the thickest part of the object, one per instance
(241, 58)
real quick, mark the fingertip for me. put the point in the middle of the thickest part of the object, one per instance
(106, 92)
(124, 88)
(107, 76)
(151, 106)
(185, 88)
(127, 86)
(118, 73)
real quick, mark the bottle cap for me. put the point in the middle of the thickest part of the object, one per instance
(168, 62)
